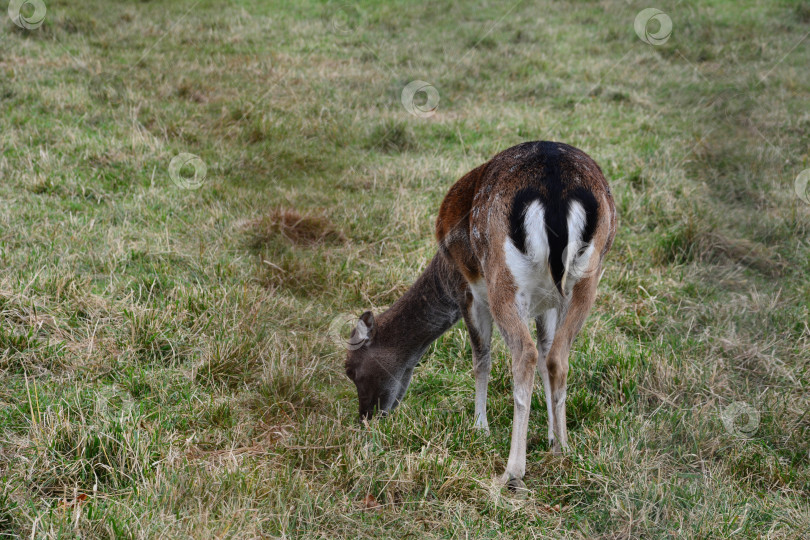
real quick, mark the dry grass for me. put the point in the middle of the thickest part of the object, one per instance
(292, 226)
(166, 362)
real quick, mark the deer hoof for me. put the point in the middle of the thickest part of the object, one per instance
(516, 486)
(557, 449)
(482, 429)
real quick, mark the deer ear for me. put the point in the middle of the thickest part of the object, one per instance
(366, 327)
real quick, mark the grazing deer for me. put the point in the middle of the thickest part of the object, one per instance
(522, 236)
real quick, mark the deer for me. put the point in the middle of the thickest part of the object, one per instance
(521, 236)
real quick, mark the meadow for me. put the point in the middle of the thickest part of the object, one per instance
(195, 196)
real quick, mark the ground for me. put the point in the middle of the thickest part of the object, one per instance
(195, 196)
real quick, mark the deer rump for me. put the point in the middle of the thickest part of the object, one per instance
(533, 209)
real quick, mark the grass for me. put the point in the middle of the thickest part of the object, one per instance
(166, 358)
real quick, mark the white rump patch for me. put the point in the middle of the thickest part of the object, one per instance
(577, 254)
(531, 271)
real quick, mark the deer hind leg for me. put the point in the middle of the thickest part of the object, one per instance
(518, 338)
(479, 325)
(546, 329)
(577, 308)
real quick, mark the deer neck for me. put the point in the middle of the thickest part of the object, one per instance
(425, 312)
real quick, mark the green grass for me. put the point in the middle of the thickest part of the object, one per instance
(166, 364)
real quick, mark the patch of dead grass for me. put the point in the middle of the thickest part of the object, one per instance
(294, 227)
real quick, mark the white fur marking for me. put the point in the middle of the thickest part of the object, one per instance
(535, 286)
(577, 254)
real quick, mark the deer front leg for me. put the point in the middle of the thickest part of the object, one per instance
(479, 325)
(582, 298)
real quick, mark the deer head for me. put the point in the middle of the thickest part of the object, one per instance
(379, 370)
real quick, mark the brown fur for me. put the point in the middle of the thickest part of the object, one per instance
(472, 228)
(470, 202)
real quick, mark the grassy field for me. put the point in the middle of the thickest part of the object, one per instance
(169, 358)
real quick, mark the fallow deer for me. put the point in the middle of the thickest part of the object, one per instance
(522, 236)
